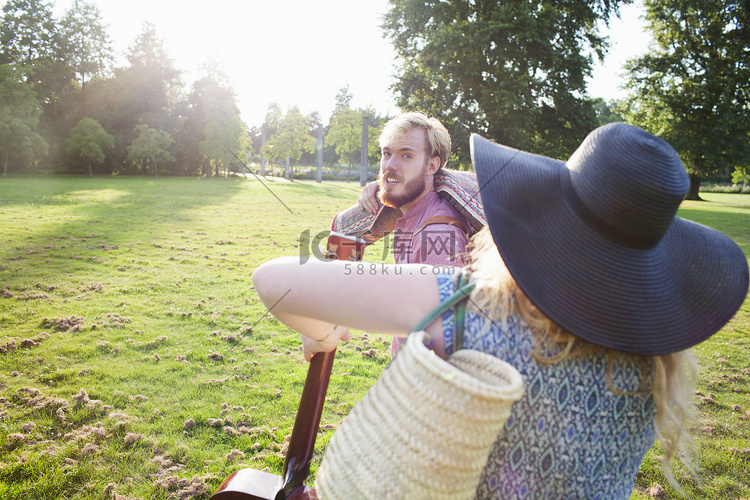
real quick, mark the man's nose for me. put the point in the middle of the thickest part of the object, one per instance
(390, 164)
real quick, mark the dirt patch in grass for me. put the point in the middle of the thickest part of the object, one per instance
(184, 489)
(64, 323)
(23, 343)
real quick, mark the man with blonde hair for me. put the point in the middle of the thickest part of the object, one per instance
(414, 147)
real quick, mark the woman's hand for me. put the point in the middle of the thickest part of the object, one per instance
(311, 346)
(368, 198)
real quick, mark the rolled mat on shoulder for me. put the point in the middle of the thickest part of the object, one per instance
(458, 187)
(424, 430)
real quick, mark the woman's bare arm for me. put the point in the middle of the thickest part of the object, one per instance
(322, 299)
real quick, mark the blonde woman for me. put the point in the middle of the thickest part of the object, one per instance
(585, 282)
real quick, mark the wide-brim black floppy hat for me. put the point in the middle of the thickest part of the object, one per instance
(595, 244)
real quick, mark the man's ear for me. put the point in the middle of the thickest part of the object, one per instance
(434, 165)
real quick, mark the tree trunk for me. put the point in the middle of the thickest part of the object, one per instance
(5, 163)
(695, 184)
(91, 171)
(156, 172)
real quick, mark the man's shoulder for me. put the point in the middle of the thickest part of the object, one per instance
(439, 244)
(441, 212)
(438, 206)
(441, 235)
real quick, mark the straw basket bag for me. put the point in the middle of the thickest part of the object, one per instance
(425, 429)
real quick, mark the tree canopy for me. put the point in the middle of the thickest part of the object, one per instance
(63, 71)
(292, 137)
(27, 32)
(345, 135)
(86, 43)
(89, 142)
(150, 144)
(693, 88)
(19, 117)
(222, 127)
(513, 71)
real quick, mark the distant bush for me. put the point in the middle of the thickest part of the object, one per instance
(725, 188)
(330, 173)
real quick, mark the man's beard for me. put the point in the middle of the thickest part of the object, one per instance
(412, 189)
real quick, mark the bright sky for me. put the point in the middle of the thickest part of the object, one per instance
(300, 52)
(627, 40)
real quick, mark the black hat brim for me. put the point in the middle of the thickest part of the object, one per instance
(647, 301)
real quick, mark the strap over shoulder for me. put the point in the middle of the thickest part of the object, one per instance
(463, 289)
(458, 328)
(445, 219)
(459, 188)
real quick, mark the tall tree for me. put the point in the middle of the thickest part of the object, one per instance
(86, 44)
(313, 120)
(345, 135)
(27, 32)
(343, 100)
(274, 116)
(30, 39)
(291, 139)
(693, 88)
(740, 176)
(188, 132)
(89, 142)
(150, 144)
(144, 92)
(270, 124)
(19, 117)
(222, 126)
(376, 122)
(152, 81)
(608, 112)
(513, 71)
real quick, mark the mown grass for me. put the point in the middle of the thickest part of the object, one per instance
(137, 362)
(722, 429)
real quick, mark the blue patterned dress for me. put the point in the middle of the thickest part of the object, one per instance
(569, 437)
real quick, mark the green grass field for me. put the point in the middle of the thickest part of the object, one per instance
(136, 361)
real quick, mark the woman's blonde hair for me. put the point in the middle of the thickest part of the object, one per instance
(670, 377)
